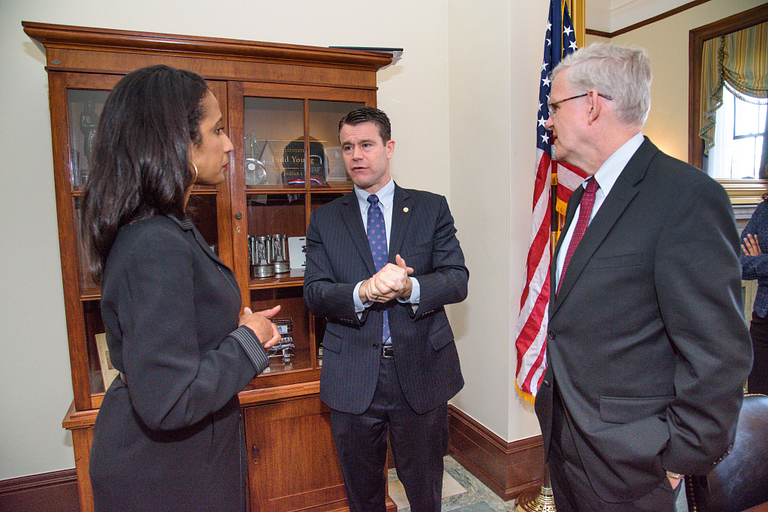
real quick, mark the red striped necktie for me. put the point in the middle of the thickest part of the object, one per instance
(585, 212)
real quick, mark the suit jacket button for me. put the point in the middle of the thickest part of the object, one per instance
(551, 335)
(375, 346)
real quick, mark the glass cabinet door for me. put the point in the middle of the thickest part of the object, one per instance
(276, 148)
(276, 206)
(273, 142)
(84, 112)
(289, 162)
(325, 158)
(79, 102)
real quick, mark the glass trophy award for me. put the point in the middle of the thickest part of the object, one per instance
(255, 172)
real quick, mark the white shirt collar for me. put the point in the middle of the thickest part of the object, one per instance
(386, 197)
(609, 172)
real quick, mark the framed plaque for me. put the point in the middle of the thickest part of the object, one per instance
(108, 372)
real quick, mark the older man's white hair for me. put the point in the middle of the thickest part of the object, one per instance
(621, 72)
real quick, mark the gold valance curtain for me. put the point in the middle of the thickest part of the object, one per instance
(738, 59)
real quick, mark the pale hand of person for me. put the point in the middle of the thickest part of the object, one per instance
(751, 246)
(391, 282)
(261, 326)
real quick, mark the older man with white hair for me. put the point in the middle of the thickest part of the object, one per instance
(647, 346)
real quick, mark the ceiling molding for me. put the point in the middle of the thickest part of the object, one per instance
(640, 14)
(616, 17)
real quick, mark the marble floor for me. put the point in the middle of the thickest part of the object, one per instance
(462, 492)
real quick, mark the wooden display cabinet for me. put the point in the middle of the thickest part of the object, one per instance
(281, 104)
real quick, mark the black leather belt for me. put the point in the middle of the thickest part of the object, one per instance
(387, 352)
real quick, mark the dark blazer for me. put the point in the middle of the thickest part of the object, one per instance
(168, 435)
(647, 343)
(338, 257)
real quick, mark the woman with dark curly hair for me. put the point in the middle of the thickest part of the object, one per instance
(168, 434)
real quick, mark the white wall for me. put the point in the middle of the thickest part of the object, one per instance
(667, 45)
(462, 104)
(495, 62)
(35, 387)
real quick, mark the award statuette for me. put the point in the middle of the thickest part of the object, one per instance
(261, 256)
(89, 122)
(280, 253)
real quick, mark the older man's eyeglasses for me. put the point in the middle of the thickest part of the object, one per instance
(552, 106)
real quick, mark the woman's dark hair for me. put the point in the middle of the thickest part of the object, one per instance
(141, 155)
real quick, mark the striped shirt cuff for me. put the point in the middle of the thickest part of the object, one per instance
(252, 347)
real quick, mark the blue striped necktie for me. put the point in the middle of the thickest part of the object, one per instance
(377, 239)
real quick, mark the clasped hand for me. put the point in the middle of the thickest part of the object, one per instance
(261, 325)
(391, 282)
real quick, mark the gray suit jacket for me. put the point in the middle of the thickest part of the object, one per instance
(338, 257)
(647, 342)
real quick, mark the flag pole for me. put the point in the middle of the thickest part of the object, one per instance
(532, 320)
(537, 501)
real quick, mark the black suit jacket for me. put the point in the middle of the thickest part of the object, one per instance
(339, 256)
(647, 342)
(169, 435)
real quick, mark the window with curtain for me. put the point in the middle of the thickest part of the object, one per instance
(740, 137)
(734, 93)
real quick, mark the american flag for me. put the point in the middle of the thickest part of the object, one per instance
(531, 329)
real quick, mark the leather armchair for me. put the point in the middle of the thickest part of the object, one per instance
(740, 481)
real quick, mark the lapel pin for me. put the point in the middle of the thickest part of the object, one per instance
(405, 209)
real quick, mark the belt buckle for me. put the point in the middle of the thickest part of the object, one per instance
(387, 352)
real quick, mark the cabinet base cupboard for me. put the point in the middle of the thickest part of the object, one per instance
(281, 105)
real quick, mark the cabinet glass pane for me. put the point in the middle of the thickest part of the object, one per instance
(84, 109)
(274, 141)
(319, 323)
(201, 208)
(101, 373)
(293, 352)
(319, 200)
(87, 286)
(325, 159)
(275, 222)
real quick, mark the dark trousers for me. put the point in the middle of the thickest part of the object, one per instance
(758, 377)
(419, 443)
(570, 485)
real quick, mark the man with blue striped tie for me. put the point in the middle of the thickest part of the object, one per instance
(382, 263)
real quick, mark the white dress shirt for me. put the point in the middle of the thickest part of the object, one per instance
(606, 176)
